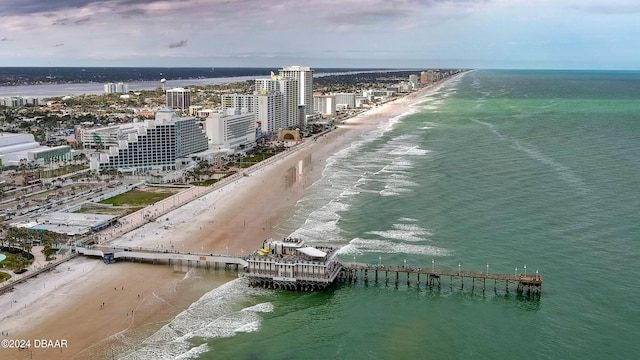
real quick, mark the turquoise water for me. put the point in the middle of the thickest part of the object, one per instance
(504, 168)
(2, 257)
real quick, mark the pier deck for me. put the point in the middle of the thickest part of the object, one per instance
(154, 255)
(530, 284)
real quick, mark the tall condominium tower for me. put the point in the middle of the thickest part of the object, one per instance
(269, 112)
(289, 90)
(304, 75)
(178, 98)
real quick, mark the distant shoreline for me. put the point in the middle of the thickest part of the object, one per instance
(94, 85)
(27, 76)
(77, 89)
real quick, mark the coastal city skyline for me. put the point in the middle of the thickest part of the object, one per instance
(456, 33)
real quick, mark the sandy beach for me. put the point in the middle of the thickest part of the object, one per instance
(97, 309)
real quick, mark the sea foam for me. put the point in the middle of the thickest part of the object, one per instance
(392, 247)
(214, 315)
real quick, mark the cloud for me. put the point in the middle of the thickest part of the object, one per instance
(4, 39)
(30, 7)
(62, 22)
(252, 31)
(610, 8)
(83, 20)
(127, 14)
(68, 21)
(181, 43)
(393, 12)
(367, 17)
(26, 7)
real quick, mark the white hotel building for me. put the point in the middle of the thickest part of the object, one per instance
(325, 104)
(163, 144)
(345, 100)
(231, 130)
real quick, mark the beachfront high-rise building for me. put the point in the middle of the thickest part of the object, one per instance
(288, 88)
(231, 129)
(325, 104)
(164, 143)
(430, 76)
(346, 100)
(413, 80)
(178, 98)
(304, 75)
(269, 112)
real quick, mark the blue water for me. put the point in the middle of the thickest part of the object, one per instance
(498, 168)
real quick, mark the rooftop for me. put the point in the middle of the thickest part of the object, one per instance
(67, 223)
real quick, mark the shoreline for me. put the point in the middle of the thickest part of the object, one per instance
(228, 220)
(61, 89)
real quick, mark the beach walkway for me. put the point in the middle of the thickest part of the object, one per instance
(111, 254)
(34, 270)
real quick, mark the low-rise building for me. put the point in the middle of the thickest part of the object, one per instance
(16, 149)
(16, 101)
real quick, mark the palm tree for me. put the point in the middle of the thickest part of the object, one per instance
(26, 246)
(19, 263)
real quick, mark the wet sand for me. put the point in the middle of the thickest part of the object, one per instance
(140, 298)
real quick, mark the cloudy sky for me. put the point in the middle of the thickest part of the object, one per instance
(548, 34)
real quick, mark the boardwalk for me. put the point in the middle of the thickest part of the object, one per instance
(17, 279)
(529, 284)
(111, 254)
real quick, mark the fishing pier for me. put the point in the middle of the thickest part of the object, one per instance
(526, 284)
(291, 264)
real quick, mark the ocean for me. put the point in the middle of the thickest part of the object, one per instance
(492, 170)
